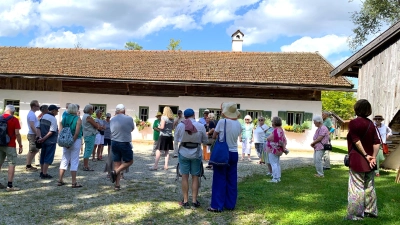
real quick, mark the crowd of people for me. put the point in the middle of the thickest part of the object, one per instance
(191, 143)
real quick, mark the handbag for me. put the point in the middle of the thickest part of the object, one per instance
(346, 160)
(385, 149)
(220, 152)
(65, 138)
(327, 146)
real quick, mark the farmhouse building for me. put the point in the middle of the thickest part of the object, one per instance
(377, 66)
(262, 83)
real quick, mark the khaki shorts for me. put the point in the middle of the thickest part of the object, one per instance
(11, 154)
(32, 144)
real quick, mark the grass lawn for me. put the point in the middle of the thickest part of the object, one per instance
(303, 199)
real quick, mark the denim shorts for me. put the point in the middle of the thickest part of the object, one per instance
(47, 153)
(189, 166)
(122, 151)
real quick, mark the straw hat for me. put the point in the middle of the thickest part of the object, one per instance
(158, 114)
(229, 110)
(378, 117)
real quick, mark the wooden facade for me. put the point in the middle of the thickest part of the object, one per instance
(157, 89)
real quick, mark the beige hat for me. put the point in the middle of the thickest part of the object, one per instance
(158, 114)
(229, 110)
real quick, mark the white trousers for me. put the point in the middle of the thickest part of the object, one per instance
(246, 146)
(71, 155)
(275, 162)
(318, 161)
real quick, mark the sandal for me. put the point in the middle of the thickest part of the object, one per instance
(117, 188)
(184, 204)
(214, 210)
(100, 159)
(61, 183)
(87, 169)
(196, 204)
(76, 185)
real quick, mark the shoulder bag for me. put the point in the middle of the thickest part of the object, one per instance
(327, 146)
(220, 152)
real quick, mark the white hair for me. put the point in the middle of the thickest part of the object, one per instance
(72, 108)
(10, 108)
(318, 119)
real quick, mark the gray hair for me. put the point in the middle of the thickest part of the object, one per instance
(277, 121)
(318, 119)
(87, 108)
(326, 113)
(10, 108)
(72, 108)
(211, 116)
(98, 111)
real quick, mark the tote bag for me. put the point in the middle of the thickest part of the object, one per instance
(220, 152)
(65, 138)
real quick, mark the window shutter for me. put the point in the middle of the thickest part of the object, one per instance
(308, 116)
(201, 112)
(242, 113)
(267, 114)
(282, 115)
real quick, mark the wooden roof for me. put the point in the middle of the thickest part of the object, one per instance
(351, 66)
(261, 68)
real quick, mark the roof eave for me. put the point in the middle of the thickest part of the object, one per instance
(350, 66)
(189, 83)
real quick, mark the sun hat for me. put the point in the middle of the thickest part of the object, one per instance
(229, 110)
(53, 107)
(120, 107)
(378, 117)
(206, 111)
(188, 112)
(158, 114)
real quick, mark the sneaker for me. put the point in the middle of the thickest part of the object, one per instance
(41, 174)
(12, 189)
(318, 175)
(274, 181)
(269, 174)
(31, 169)
(46, 176)
(196, 204)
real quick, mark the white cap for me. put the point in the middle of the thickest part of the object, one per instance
(120, 107)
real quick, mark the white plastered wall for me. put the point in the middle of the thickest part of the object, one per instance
(132, 104)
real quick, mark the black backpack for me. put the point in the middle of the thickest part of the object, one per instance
(4, 138)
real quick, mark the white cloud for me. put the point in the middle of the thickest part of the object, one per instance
(326, 46)
(223, 10)
(61, 39)
(16, 16)
(338, 61)
(276, 18)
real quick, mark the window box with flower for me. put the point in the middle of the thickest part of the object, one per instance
(141, 124)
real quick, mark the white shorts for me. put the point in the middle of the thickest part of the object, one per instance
(99, 139)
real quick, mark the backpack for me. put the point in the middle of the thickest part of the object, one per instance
(4, 138)
(65, 138)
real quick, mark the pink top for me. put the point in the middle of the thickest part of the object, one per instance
(322, 131)
(276, 142)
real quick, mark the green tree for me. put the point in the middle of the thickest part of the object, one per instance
(341, 103)
(133, 46)
(371, 17)
(174, 45)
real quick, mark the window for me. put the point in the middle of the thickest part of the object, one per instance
(173, 108)
(254, 113)
(143, 113)
(217, 113)
(294, 118)
(102, 107)
(15, 103)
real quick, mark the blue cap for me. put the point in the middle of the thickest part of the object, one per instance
(188, 112)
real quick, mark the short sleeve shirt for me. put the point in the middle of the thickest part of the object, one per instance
(156, 133)
(259, 134)
(322, 131)
(12, 125)
(32, 118)
(233, 129)
(49, 123)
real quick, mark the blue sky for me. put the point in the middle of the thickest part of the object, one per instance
(206, 25)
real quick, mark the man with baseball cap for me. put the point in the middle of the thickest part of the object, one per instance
(49, 133)
(121, 127)
(203, 119)
(191, 134)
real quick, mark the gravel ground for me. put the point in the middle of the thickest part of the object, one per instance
(147, 197)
